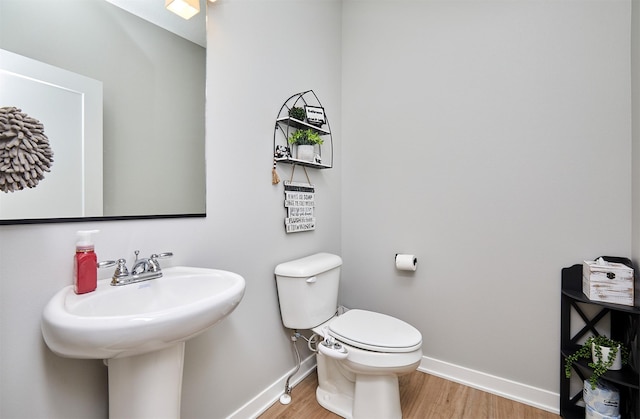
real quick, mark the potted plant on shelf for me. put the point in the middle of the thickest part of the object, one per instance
(305, 141)
(605, 353)
(297, 113)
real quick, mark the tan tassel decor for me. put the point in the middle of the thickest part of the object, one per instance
(275, 179)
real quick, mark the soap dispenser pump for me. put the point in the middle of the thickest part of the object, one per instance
(85, 266)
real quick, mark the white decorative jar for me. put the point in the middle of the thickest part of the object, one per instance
(617, 362)
(306, 152)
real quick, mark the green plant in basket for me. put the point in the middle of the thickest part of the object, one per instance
(305, 137)
(598, 364)
(297, 113)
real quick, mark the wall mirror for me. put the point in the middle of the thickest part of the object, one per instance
(153, 98)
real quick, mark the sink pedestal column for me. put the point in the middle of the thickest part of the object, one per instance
(147, 385)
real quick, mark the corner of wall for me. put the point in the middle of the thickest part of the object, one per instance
(635, 129)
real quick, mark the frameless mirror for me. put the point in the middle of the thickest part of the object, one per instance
(153, 95)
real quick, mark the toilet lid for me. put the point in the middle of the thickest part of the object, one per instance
(375, 332)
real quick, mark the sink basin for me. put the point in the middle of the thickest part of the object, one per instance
(140, 330)
(115, 322)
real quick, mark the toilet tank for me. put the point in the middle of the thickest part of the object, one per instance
(308, 290)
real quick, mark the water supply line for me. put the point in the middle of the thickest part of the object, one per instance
(286, 397)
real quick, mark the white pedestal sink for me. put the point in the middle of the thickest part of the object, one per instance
(140, 330)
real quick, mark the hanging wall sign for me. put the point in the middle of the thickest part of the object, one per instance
(299, 200)
(315, 115)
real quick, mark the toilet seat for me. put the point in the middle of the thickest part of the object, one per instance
(375, 332)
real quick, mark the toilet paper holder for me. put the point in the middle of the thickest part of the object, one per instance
(406, 262)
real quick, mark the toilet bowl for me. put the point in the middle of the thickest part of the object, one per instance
(360, 380)
(362, 353)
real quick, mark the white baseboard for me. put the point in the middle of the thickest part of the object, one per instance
(523, 393)
(271, 395)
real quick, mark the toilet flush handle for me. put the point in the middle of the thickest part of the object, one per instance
(311, 280)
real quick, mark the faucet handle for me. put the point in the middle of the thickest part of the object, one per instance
(121, 269)
(162, 255)
(154, 265)
(120, 273)
(106, 263)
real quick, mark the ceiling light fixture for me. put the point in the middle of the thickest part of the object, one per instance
(186, 9)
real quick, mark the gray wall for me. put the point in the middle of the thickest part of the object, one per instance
(491, 139)
(635, 115)
(253, 67)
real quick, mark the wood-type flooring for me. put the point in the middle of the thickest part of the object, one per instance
(422, 396)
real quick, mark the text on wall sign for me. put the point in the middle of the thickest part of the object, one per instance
(299, 200)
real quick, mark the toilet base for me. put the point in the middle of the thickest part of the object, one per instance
(339, 404)
(377, 396)
(371, 401)
(357, 396)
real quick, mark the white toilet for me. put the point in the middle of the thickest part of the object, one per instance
(363, 352)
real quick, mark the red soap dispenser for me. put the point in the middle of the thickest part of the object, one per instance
(85, 265)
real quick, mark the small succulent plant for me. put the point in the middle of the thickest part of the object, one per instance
(297, 113)
(601, 365)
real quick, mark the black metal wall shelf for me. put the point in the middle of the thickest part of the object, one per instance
(286, 125)
(621, 321)
(295, 123)
(290, 160)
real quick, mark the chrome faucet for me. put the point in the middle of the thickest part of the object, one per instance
(141, 266)
(143, 269)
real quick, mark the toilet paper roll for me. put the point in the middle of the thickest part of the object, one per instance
(406, 262)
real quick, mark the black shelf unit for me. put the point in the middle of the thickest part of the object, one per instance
(620, 321)
(285, 124)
